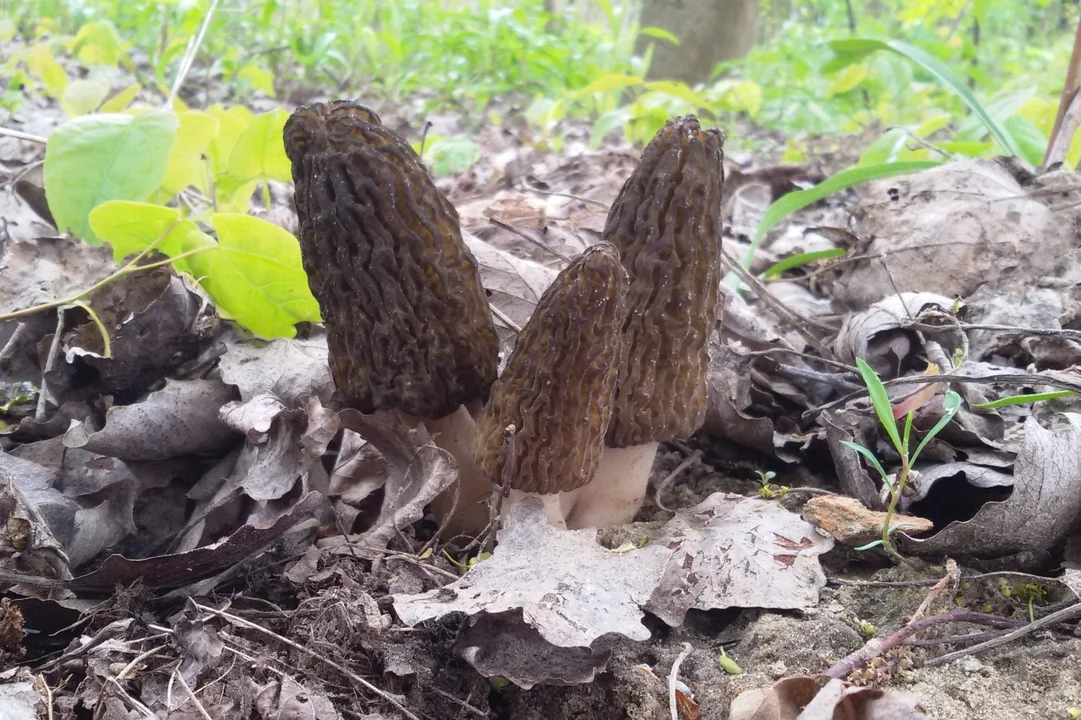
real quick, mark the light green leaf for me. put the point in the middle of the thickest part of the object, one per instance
(851, 49)
(259, 153)
(131, 227)
(43, 65)
(880, 400)
(97, 43)
(870, 456)
(606, 123)
(607, 82)
(660, 33)
(794, 201)
(7, 30)
(232, 123)
(255, 275)
(447, 155)
(802, 259)
(1024, 399)
(96, 158)
(83, 96)
(848, 79)
(186, 166)
(677, 90)
(1029, 140)
(951, 403)
(122, 99)
(260, 79)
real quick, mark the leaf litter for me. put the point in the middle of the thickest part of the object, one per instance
(192, 461)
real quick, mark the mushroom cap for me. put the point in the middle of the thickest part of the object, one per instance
(666, 223)
(408, 322)
(559, 381)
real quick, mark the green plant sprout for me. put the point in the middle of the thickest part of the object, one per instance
(880, 400)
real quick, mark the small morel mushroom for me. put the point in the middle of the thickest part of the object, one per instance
(666, 223)
(408, 323)
(558, 385)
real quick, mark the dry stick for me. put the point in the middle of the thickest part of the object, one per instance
(537, 190)
(300, 648)
(1069, 613)
(532, 241)
(1064, 333)
(503, 316)
(799, 323)
(805, 356)
(952, 577)
(191, 695)
(463, 703)
(663, 484)
(1057, 150)
(673, 678)
(189, 55)
(1069, 90)
(23, 136)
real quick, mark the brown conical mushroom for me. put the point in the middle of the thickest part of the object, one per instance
(558, 385)
(666, 223)
(408, 322)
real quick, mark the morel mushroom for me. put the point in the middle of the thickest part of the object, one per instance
(558, 385)
(408, 322)
(666, 223)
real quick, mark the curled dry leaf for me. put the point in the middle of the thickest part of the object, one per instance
(288, 369)
(1041, 512)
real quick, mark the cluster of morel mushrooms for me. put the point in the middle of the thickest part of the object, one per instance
(612, 361)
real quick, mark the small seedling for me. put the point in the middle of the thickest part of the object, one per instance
(770, 491)
(895, 483)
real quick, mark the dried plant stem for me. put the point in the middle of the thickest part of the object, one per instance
(310, 653)
(189, 55)
(1068, 613)
(673, 678)
(191, 695)
(8, 132)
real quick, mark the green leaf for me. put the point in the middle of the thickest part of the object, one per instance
(608, 122)
(951, 403)
(451, 154)
(856, 47)
(259, 153)
(794, 201)
(255, 276)
(868, 546)
(607, 82)
(795, 261)
(660, 33)
(232, 123)
(122, 99)
(1024, 399)
(186, 166)
(43, 65)
(260, 79)
(97, 43)
(870, 456)
(96, 158)
(880, 399)
(131, 227)
(7, 30)
(848, 79)
(677, 90)
(1030, 141)
(83, 96)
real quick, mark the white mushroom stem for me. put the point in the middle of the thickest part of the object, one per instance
(556, 505)
(616, 492)
(454, 433)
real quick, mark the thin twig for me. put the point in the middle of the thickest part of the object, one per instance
(503, 316)
(463, 703)
(952, 577)
(50, 362)
(662, 486)
(23, 136)
(1069, 613)
(673, 678)
(189, 55)
(300, 648)
(191, 695)
(532, 188)
(533, 241)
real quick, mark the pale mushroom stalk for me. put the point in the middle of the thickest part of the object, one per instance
(409, 328)
(666, 224)
(558, 386)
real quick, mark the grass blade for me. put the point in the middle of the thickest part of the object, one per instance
(1023, 399)
(880, 399)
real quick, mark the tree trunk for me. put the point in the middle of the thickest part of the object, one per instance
(710, 31)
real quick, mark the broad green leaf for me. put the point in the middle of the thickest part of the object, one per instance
(97, 43)
(848, 79)
(259, 153)
(186, 166)
(802, 259)
(677, 90)
(83, 96)
(131, 227)
(260, 79)
(234, 196)
(1029, 140)
(1024, 399)
(121, 101)
(450, 154)
(794, 201)
(96, 158)
(854, 48)
(999, 110)
(885, 148)
(43, 65)
(232, 122)
(880, 400)
(255, 275)
(660, 33)
(744, 96)
(607, 82)
(606, 123)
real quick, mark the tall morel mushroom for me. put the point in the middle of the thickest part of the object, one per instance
(558, 385)
(666, 223)
(408, 322)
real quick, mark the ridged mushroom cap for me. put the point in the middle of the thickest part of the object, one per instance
(408, 322)
(666, 223)
(559, 381)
